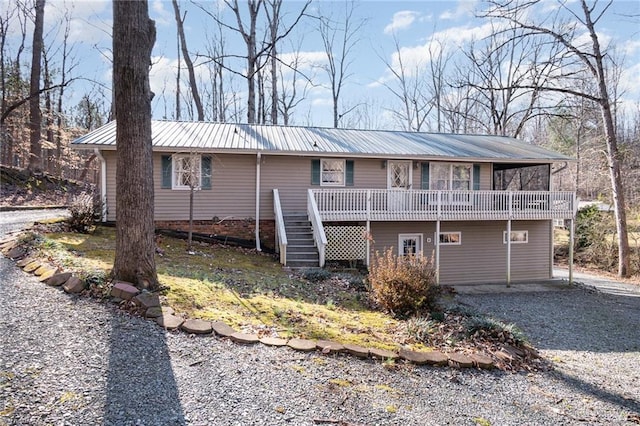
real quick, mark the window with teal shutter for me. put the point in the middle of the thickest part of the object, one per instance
(205, 168)
(349, 173)
(424, 183)
(315, 172)
(166, 172)
(476, 177)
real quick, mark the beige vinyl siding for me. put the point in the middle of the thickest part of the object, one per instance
(482, 256)
(232, 193)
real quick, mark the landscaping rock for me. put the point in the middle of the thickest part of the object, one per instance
(124, 290)
(383, 354)
(222, 329)
(327, 346)
(30, 267)
(273, 341)
(48, 274)
(303, 345)
(356, 350)
(42, 269)
(170, 322)
(481, 360)
(16, 253)
(24, 262)
(153, 312)
(58, 279)
(168, 310)
(244, 338)
(196, 326)
(147, 300)
(460, 360)
(422, 358)
(73, 285)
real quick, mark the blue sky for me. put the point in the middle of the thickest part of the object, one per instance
(414, 24)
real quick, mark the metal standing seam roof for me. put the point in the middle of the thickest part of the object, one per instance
(182, 136)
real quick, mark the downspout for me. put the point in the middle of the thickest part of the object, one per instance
(258, 161)
(103, 185)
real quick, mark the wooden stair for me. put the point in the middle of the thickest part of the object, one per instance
(301, 250)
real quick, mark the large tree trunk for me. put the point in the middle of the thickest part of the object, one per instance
(133, 38)
(35, 116)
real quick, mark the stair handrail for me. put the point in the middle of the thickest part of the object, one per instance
(319, 235)
(281, 233)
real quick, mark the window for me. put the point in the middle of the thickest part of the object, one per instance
(332, 172)
(450, 238)
(450, 176)
(184, 171)
(517, 237)
(410, 244)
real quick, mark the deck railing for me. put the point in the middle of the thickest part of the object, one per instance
(315, 218)
(281, 233)
(405, 205)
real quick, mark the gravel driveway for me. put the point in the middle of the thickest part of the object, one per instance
(67, 360)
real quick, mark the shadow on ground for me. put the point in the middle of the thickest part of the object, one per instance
(141, 387)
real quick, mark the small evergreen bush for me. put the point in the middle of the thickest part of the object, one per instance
(316, 275)
(403, 285)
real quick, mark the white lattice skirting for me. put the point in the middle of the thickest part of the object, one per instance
(346, 243)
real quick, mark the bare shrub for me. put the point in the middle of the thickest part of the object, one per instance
(85, 211)
(403, 285)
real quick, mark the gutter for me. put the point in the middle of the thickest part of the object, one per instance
(103, 184)
(258, 161)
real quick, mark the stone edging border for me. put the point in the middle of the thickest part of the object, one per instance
(165, 317)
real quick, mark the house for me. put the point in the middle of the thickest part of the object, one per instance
(482, 206)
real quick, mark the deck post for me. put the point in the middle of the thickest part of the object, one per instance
(509, 253)
(368, 239)
(437, 241)
(571, 242)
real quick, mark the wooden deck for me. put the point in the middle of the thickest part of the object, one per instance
(413, 205)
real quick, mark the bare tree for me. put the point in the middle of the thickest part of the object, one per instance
(35, 116)
(291, 90)
(593, 65)
(133, 37)
(339, 39)
(187, 60)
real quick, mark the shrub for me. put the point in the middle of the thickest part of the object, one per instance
(491, 328)
(316, 275)
(403, 285)
(421, 328)
(84, 213)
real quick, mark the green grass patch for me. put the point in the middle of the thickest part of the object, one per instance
(241, 287)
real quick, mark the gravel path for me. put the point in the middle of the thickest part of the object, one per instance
(67, 360)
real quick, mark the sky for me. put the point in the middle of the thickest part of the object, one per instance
(385, 26)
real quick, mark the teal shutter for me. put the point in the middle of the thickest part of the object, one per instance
(315, 172)
(424, 183)
(476, 177)
(166, 172)
(205, 170)
(349, 173)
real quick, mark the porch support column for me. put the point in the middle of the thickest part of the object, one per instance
(258, 161)
(571, 242)
(368, 242)
(437, 241)
(509, 253)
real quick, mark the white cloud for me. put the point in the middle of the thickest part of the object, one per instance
(306, 60)
(464, 9)
(401, 21)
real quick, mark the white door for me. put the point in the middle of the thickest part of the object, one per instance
(399, 178)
